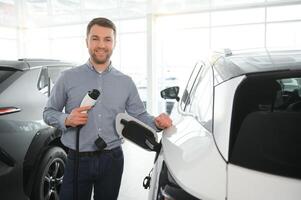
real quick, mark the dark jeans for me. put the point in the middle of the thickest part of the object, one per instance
(103, 172)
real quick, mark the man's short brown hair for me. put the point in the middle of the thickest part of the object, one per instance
(101, 21)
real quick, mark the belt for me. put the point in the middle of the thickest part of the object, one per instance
(88, 153)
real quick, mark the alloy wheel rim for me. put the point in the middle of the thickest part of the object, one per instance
(52, 180)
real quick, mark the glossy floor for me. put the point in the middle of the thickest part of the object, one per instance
(138, 163)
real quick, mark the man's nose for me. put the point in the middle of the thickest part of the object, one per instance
(101, 43)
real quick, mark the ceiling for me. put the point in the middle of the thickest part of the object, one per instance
(42, 13)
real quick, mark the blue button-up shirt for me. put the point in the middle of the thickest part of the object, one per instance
(118, 94)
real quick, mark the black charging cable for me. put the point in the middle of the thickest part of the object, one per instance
(76, 164)
(89, 100)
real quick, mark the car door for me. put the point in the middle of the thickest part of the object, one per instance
(189, 149)
(19, 93)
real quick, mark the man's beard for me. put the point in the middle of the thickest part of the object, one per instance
(96, 60)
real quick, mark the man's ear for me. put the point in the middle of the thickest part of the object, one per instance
(87, 42)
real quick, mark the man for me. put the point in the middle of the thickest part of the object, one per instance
(99, 169)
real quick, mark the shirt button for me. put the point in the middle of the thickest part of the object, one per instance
(99, 115)
(99, 129)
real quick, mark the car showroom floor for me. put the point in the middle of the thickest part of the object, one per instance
(137, 164)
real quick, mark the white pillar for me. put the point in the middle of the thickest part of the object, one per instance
(20, 27)
(152, 86)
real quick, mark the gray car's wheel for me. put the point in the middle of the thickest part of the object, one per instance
(50, 175)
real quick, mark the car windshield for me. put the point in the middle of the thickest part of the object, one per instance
(5, 73)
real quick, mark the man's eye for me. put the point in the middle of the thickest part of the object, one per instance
(94, 39)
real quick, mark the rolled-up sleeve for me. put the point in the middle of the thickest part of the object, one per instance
(53, 114)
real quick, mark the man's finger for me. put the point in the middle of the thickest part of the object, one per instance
(83, 108)
(82, 121)
(82, 115)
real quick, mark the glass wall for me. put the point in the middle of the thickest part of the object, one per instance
(8, 41)
(284, 27)
(237, 24)
(185, 31)
(8, 30)
(130, 53)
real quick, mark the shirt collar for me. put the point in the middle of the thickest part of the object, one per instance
(90, 65)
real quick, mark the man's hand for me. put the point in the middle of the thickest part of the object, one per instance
(76, 117)
(163, 121)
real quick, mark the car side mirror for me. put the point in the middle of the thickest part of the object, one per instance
(171, 93)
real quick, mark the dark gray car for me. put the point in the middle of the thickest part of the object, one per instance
(32, 159)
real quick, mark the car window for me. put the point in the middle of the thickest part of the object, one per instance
(291, 85)
(43, 81)
(5, 73)
(48, 77)
(202, 98)
(290, 94)
(186, 97)
(54, 72)
(265, 132)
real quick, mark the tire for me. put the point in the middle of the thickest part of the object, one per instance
(50, 175)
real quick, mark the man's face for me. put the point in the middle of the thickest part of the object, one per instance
(100, 43)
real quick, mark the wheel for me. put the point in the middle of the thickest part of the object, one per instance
(50, 175)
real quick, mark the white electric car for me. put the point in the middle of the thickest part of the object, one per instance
(236, 133)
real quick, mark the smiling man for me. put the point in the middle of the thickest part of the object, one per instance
(98, 169)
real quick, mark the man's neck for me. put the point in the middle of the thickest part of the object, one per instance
(100, 67)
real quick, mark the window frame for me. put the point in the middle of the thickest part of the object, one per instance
(185, 99)
(50, 82)
(206, 74)
(43, 76)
